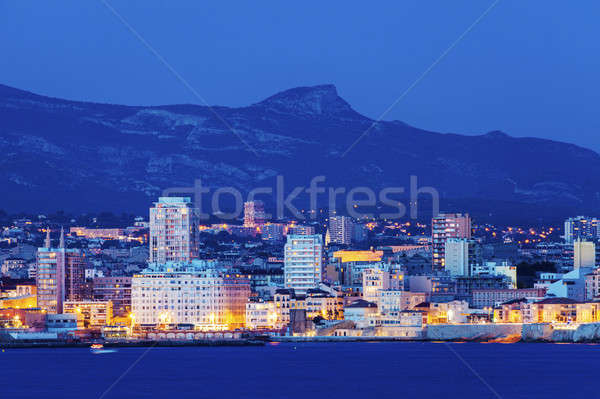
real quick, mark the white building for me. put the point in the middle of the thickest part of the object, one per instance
(262, 316)
(377, 279)
(393, 302)
(361, 312)
(303, 257)
(460, 256)
(572, 285)
(173, 230)
(209, 299)
(584, 254)
(497, 269)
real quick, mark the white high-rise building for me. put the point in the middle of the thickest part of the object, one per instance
(584, 254)
(340, 230)
(173, 230)
(443, 227)
(461, 256)
(303, 257)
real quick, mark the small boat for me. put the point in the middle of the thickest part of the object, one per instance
(99, 348)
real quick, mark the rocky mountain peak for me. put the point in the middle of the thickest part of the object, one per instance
(321, 100)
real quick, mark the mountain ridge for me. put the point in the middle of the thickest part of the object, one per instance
(132, 153)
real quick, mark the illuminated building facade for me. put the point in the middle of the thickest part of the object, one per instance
(377, 279)
(254, 214)
(262, 316)
(581, 227)
(303, 258)
(114, 289)
(341, 230)
(272, 232)
(60, 276)
(90, 314)
(108, 234)
(210, 300)
(445, 226)
(173, 230)
(314, 302)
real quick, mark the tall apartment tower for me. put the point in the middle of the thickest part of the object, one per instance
(443, 227)
(461, 256)
(173, 230)
(60, 275)
(254, 214)
(303, 257)
(581, 227)
(340, 230)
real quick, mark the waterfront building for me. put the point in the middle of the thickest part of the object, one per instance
(584, 254)
(60, 275)
(254, 214)
(114, 289)
(315, 302)
(444, 312)
(561, 310)
(461, 255)
(582, 228)
(303, 257)
(173, 230)
(90, 314)
(360, 312)
(209, 299)
(341, 230)
(262, 316)
(495, 297)
(510, 311)
(393, 302)
(445, 226)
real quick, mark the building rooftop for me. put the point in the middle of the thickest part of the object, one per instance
(557, 300)
(361, 303)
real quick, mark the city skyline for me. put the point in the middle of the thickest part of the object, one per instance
(299, 200)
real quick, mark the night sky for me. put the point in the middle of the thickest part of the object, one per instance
(529, 68)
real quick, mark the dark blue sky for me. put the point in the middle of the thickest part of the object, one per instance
(529, 68)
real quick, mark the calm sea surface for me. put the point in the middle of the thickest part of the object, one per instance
(307, 370)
